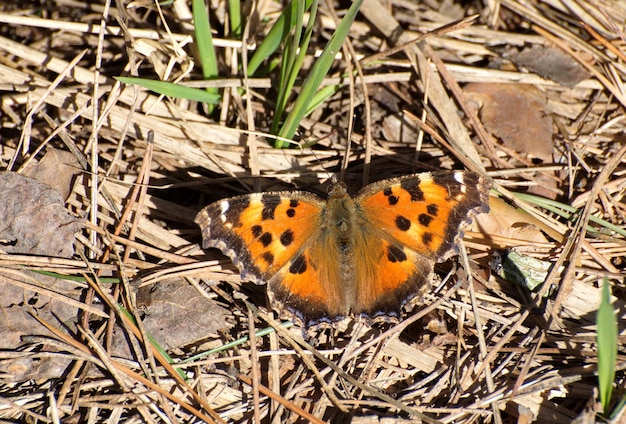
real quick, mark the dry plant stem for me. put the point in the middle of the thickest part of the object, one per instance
(437, 94)
(143, 181)
(70, 379)
(274, 371)
(296, 341)
(25, 411)
(25, 136)
(348, 52)
(129, 373)
(252, 139)
(283, 332)
(162, 360)
(95, 127)
(460, 97)
(289, 405)
(46, 263)
(34, 287)
(606, 43)
(105, 358)
(479, 332)
(466, 161)
(568, 276)
(616, 91)
(534, 16)
(401, 326)
(60, 130)
(444, 29)
(254, 368)
(170, 257)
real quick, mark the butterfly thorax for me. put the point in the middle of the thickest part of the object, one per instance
(342, 225)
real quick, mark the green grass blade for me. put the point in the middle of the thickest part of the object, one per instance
(607, 347)
(234, 15)
(568, 212)
(294, 56)
(173, 90)
(204, 40)
(206, 50)
(318, 73)
(238, 342)
(288, 59)
(279, 32)
(321, 96)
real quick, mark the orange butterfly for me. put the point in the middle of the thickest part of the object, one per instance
(366, 255)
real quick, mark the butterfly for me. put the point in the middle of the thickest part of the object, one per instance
(366, 255)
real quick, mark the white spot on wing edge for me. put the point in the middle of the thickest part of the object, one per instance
(459, 176)
(224, 206)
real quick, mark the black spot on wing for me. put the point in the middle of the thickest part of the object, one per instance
(293, 204)
(414, 190)
(388, 192)
(266, 239)
(432, 209)
(270, 202)
(268, 257)
(402, 223)
(298, 266)
(427, 238)
(286, 238)
(424, 219)
(395, 254)
(257, 230)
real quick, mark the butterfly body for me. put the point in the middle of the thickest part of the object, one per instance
(363, 255)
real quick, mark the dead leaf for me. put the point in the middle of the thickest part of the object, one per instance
(398, 130)
(33, 218)
(517, 115)
(57, 168)
(177, 316)
(16, 322)
(510, 222)
(550, 62)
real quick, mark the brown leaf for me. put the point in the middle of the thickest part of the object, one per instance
(507, 221)
(57, 168)
(33, 218)
(516, 114)
(550, 62)
(177, 316)
(16, 322)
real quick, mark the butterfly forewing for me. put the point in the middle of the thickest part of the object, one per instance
(424, 212)
(260, 232)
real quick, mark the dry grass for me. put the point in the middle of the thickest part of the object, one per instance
(490, 351)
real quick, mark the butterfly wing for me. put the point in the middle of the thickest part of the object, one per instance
(408, 224)
(275, 238)
(387, 274)
(260, 232)
(425, 212)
